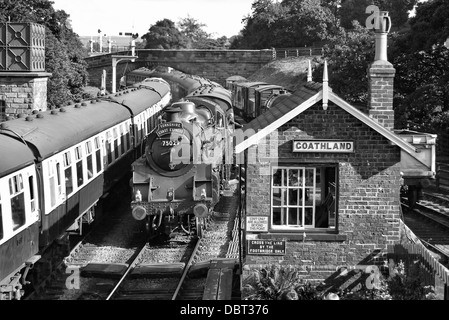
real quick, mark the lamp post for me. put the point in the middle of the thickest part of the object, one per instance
(116, 59)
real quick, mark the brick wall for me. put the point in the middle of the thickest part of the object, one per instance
(368, 201)
(23, 94)
(380, 91)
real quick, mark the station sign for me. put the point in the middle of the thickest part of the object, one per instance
(329, 146)
(266, 247)
(257, 224)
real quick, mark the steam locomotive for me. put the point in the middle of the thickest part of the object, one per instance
(57, 165)
(186, 163)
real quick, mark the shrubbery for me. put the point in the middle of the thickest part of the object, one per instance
(277, 283)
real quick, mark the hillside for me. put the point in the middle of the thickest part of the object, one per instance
(289, 72)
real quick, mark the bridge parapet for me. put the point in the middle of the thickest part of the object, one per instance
(216, 65)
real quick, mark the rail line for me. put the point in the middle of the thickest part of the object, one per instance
(129, 268)
(429, 221)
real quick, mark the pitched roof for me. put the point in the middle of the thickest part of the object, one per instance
(290, 106)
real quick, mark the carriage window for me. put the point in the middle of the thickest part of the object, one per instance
(79, 166)
(31, 185)
(116, 153)
(90, 169)
(122, 139)
(17, 201)
(58, 176)
(68, 173)
(97, 153)
(303, 197)
(144, 127)
(128, 137)
(51, 179)
(109, 146)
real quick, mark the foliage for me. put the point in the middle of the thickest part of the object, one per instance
(278, 283)
(397, 286)
(351, 10)
(348, 58)
(429, 26)
(164, 35)
(422, 86)
(274, 283)
(64, 53)
(290, 23)
(265, 28)
(188, 33)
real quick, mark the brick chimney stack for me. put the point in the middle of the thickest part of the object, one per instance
(381, 76)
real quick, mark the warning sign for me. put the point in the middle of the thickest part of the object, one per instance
(256, 224)
(266, 247)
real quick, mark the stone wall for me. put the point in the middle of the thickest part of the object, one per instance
(216, 65)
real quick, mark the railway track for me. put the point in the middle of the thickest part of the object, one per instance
(115, 263)
(429, 221)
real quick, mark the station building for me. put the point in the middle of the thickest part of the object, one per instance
(323, 178)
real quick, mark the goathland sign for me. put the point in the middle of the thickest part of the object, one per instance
(323, 146)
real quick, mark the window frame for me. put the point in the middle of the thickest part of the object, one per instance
(17, 190)
(304, 228)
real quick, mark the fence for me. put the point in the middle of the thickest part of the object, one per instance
(433, 272)
(281, 53)
(442, 176)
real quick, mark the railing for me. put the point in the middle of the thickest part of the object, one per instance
(281, 53)
(442, 176)
(114, 49)
(434, 273)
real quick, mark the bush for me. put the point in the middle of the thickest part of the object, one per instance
(277, 283)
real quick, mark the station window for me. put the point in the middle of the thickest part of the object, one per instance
(97, 153)
(17, 201)
(90, 169)
(68, 173)
(303, 197)
(79, 166)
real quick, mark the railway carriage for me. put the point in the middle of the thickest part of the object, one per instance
(181, 84)
(19, 214)
(58, 164)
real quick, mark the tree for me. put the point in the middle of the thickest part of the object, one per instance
(351, 10)
(429, 26)
(290, 23)
(264, 28)
(311, 22)
(348, 58)
(192, 29)
(164, 35)
(64, 53)
(422, 90)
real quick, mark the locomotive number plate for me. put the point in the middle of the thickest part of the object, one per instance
(169, 143)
